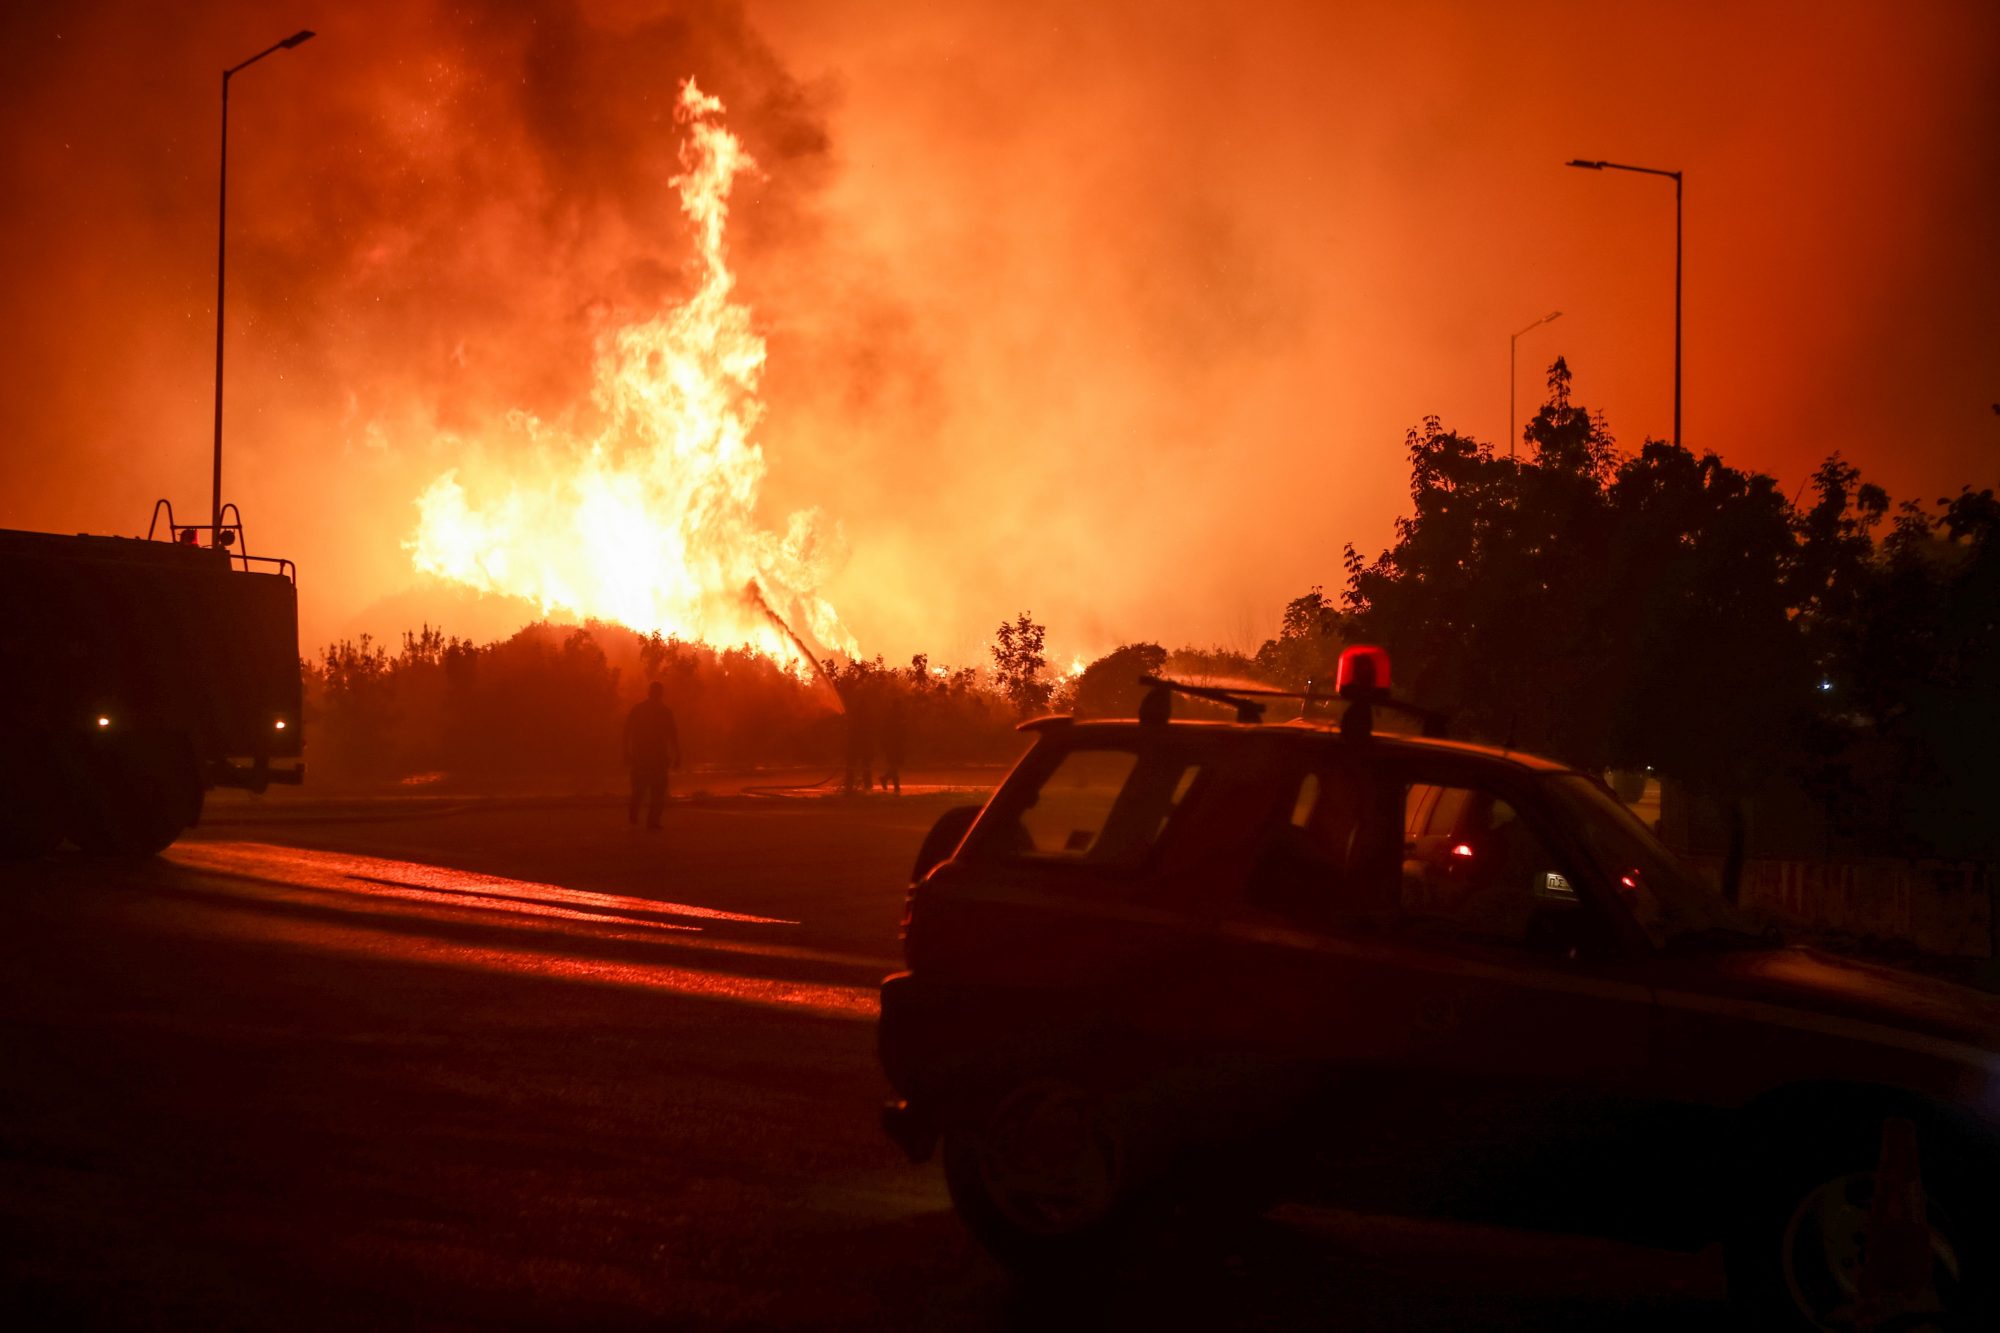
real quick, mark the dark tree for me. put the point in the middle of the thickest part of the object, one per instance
(1018, 662)
(1911, 683)
(1607, 613)
(1716, 669)
(1493, 598)
(1307, 649)
(1109, 687)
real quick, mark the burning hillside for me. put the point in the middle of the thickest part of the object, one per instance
(647, 517)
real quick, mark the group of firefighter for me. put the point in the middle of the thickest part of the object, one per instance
(876, 725)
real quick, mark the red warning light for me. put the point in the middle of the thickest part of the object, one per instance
(1462, 849)
(1364, 670)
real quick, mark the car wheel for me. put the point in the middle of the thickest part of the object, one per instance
(1041, 1179)
(1863, 1229)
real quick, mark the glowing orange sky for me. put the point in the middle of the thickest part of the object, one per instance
(1113, 311)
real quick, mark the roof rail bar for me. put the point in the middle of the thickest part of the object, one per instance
(227, 539)
(1357, 719)
(1158, 704)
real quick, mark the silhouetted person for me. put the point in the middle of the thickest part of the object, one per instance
(652, 747)
(894, 736)
(860, 739)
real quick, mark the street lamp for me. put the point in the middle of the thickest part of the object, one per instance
(1655, 171)
(1549, 318)
(221, 239)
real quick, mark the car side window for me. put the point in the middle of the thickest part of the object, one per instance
(1099, 806)
(1442, 810)
(1328, 853)
(1475, 869)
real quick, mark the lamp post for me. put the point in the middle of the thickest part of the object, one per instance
(1676, 176)
(1549, 318)
(221, 243)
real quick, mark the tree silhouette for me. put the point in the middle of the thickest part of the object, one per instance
(1109, 687)
(1911, 670)
(1586, 607)
(1018, 662)
(1307, 649)
(1669, 611)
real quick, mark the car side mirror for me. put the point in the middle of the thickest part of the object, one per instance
(943, 839)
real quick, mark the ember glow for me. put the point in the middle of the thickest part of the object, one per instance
(650, 521)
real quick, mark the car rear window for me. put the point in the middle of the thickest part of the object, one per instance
(1100, 806)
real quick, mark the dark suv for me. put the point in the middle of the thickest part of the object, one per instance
(1245, 964)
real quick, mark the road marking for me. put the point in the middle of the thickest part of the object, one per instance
(857, 1003)
(428, 883)
(284, 873)
(296, 871)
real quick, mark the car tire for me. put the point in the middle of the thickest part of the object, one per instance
(1042, 1180)
(1798, 1253)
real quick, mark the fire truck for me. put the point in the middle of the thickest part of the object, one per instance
(137, 674)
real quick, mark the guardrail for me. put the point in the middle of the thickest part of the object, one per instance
(1940, 907)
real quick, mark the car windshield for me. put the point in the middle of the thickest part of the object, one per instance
(1672, 904)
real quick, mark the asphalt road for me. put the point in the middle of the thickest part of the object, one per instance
(513, 1064)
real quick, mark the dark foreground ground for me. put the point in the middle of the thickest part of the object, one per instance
(454, 1063)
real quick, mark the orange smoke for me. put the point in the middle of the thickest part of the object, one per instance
(647, 518)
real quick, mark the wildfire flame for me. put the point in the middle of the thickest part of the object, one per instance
(649, 521)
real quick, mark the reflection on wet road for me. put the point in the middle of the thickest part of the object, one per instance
(410, 911)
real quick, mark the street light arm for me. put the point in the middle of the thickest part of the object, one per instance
(1620, 166)
(298, 38)
(1675, 177)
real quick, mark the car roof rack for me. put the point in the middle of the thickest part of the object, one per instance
(1356, 720)
(1157, 706)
